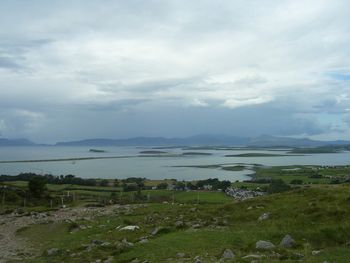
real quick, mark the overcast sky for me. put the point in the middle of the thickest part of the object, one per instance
(116, 69)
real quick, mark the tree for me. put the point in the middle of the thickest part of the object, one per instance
(162, 186)
(37, 186)
(104, 182)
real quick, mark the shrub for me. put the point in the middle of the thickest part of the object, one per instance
(277, 186)
(37, 186)
(296, 181)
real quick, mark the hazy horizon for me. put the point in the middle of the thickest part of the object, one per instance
(72, 70)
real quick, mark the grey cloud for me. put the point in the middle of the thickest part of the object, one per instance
(173, 68)
(8, 63)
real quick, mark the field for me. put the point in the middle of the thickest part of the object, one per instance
(185, 226)
(317, 218)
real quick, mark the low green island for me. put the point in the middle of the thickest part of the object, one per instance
(152, 152)
(97, 150)
(196, 153)
(256, 155)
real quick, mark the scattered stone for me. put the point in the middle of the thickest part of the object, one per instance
(180, 255)
(264, 245)
(105, 244)
(109, 259)
(179, 224)
(252, 256)
(52, 251)
(287, 242)
(124, 244)
(155, 231)
(193, 209)
(197, 259)
(227, 255)
(242, 194)
(130, 228)
(97, 242)
(264, 216)
(196, 226)
(143, 241)
(315, 252)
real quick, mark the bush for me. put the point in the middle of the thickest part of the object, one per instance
(296, 181)
(104, 182)
(130, 187)
(277, 186)
(37, 186)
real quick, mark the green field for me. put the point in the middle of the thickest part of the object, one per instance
(314, 212)
(317, 218)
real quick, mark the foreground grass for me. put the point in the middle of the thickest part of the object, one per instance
(317, 218)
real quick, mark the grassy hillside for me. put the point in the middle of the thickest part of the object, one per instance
(316, 218)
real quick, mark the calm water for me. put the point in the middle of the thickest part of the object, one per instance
(149, 167)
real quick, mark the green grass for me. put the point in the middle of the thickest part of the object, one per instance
(308, 174)
(317, 218)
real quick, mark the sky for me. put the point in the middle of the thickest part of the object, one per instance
(117, 69)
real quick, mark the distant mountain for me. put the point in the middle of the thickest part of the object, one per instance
(198, 140)
(16, 142)
(206, 140)
(274, 141)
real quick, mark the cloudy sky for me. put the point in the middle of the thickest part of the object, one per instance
(116, 69)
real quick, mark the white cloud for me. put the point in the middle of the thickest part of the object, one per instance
(193, 54)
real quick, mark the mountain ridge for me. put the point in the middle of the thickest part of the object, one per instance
(196, 140)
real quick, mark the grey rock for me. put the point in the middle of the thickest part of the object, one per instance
(227, 255)
(180, 255)
(97, 242)
(252, 256)
(264, 245)
(264, 216)
(315, 252)
(143, 241)
(198, 259)
(52, 251)
(136, 260)
(287, 242)
(179, 224)
(105, 244)
(109, 259)
(155, 231)
(196, 226)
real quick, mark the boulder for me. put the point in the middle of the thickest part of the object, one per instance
(155, 231)
(52, 251)
(227, 255)
(264, 245)
(143, 241)
(287, 242)
(130, 228)
(264, 216)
